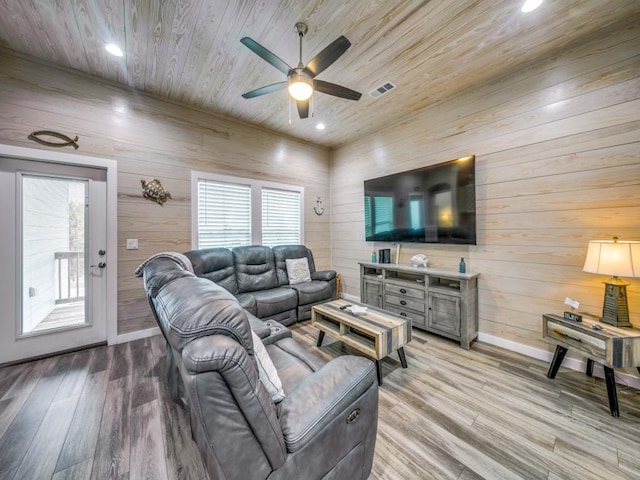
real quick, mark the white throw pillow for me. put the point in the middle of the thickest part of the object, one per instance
(298, 270)
(268, 373)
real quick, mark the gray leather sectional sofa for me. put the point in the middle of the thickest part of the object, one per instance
(324, 428)
(257, 276)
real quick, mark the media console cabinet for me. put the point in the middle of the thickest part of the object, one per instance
(443, 302)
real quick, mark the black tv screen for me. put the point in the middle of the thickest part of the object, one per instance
(434, 204)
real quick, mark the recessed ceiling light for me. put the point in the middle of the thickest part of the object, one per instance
(320, 126)
(113, 49)
(531, 5)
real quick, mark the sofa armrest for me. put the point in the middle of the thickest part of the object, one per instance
(258, 326)
(325, 275)
(317, 400)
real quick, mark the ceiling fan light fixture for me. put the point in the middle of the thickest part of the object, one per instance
(300, 85)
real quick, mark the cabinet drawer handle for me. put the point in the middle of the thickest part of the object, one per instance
(402, 314)
(567, 336)
(403, 290)
(402, 302)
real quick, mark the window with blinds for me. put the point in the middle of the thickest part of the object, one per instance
(233, 211)
(224, 214)
(281, 223)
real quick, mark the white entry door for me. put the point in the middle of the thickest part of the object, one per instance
(53, 258)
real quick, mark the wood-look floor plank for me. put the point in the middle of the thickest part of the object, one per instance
(22, 379)
(113, 447)
(9, 408)
(75, 376)
(17, 439)
(145, 385)
(121, 366)
(102, 359)
(80, 443)
(40, 460)
(147, 445)
(79, 471)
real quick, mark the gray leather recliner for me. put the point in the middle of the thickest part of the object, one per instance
(325, 428)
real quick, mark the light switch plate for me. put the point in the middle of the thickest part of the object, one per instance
(132, 243)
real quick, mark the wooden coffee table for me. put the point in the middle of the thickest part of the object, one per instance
(376, 333)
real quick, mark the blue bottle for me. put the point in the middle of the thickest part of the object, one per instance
(373, 257)
(463, 266)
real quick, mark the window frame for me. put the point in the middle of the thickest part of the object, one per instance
(256, 186)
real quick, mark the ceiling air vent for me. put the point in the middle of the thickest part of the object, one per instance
(386, 87)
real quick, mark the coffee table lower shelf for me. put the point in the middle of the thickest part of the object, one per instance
(375, 334)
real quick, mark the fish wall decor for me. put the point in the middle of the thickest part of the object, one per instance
(66, 141)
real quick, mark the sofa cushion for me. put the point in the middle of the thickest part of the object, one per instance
(255, 268)
(267, 371)
(293, 362)
(269, 303)
(248, 302)
(312, 292)
(283, 252)
(215, 264)
(298, 270)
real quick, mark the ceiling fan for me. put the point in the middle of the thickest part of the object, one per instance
(301, 80)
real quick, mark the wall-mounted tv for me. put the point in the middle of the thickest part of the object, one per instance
(433, 204)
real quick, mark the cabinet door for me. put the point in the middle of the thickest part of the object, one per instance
(444, 313)
(372, 293)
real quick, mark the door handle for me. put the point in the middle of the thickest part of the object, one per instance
(100, 265)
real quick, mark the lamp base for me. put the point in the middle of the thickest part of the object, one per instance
(615, 310)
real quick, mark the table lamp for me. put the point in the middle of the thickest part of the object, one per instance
(618, 259)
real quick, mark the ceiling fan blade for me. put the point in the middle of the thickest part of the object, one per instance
(336, 90)
(327, 56)
(264, 90)
(303, 108)
(266, 55)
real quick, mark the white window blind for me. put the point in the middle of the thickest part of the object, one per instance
(224, 214)
(229, 211)
(281, 222)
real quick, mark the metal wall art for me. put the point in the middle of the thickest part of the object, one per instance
(66, 141)
(155, 192)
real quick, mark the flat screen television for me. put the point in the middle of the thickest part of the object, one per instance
(433, 204)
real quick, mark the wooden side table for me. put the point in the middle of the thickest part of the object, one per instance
(612, 347)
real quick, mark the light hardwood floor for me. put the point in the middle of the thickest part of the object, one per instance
(453, 414)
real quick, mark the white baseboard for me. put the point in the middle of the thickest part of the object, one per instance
(351, 298)
(569, 362)
(129, 337)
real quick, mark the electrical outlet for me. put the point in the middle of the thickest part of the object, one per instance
(132, 243)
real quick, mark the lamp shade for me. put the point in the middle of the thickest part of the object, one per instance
(613, 257)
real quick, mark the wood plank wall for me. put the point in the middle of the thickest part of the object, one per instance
(557, 148)
(152, 138)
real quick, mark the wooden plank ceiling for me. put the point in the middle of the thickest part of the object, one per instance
(190, 50)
